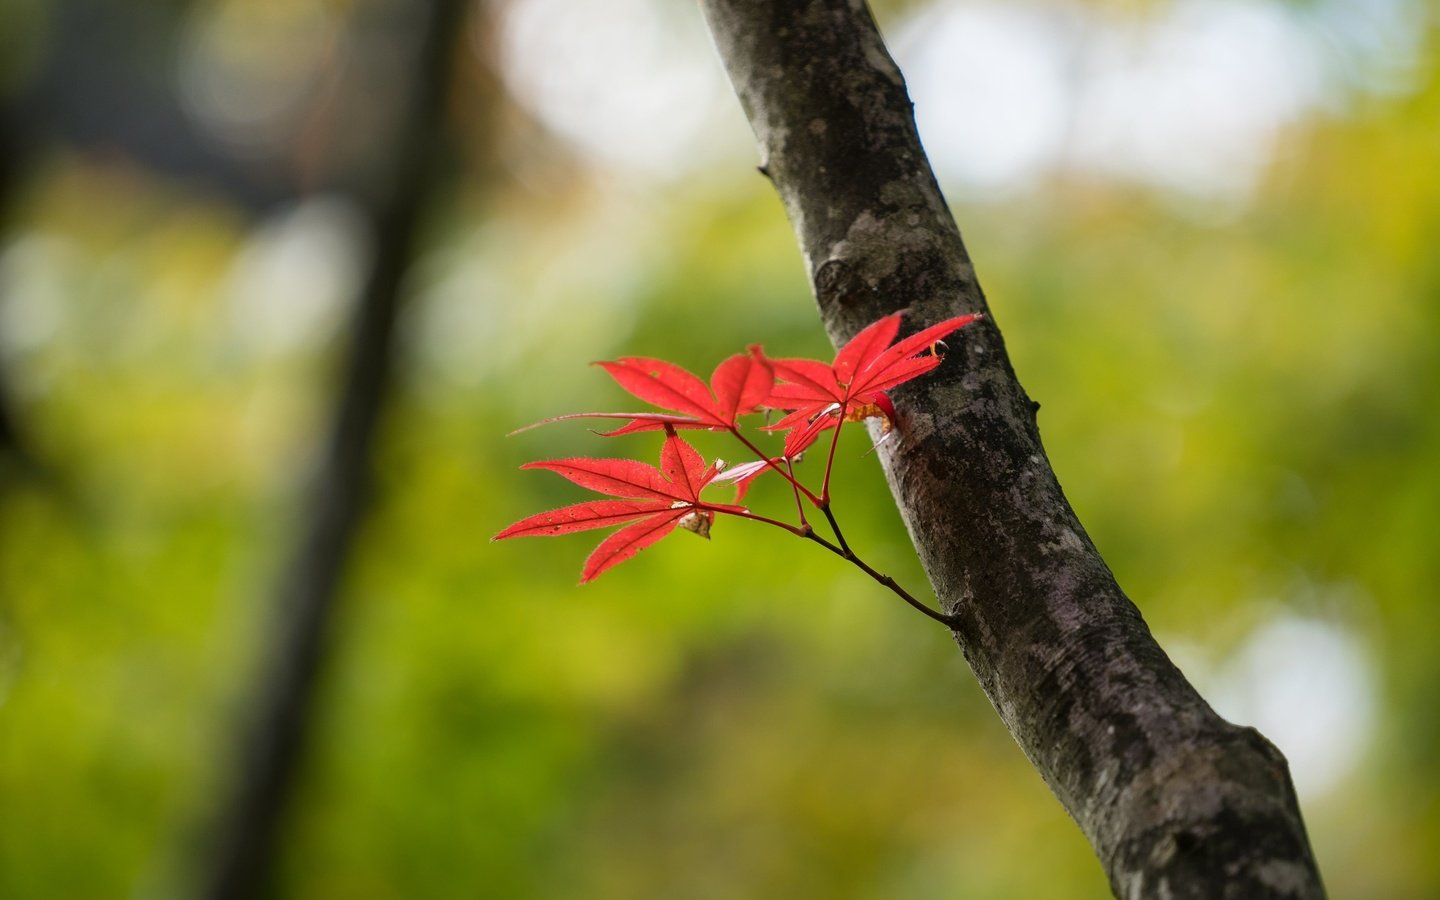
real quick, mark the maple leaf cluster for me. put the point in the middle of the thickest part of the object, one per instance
(812, 397)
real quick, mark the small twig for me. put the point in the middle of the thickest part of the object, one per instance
(801, 530)
(830, 460)
(841, 547)
(887, 581)
(835, 527)
(844, 552)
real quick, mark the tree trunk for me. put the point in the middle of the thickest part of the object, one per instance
(1176, 801)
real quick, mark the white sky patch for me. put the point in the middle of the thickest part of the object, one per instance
(298, 271)
(1191, 98)
(498, 299)
(633, 84)
(1309, 686)
(34, 296)
(1376, 45)
(1195, 100)
(990, 90)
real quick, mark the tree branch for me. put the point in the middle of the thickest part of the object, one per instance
(1176, 801)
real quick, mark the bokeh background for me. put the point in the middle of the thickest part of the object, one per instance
(1208, 231)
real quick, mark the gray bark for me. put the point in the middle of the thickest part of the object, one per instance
(1176, 801)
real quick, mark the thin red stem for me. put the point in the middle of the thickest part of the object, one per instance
(799, 530)
(840, 549)
(794, 485)
(771, 463)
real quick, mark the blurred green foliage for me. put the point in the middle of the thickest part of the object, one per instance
(1241, 410)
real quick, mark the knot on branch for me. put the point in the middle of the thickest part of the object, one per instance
(838, 282)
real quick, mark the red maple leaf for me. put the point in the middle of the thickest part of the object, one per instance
(738, 387)
(654, 502)
(853, 387)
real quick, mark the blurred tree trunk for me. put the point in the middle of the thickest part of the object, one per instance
(16, 459)
(15, 453)
(245, 839)
(1176, 801)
